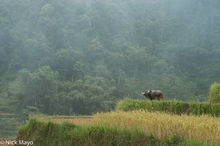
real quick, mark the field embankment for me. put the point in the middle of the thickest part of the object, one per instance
(170, 106)
(69, 134)
(123, 128)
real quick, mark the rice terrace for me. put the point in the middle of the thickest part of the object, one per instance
(179, 124)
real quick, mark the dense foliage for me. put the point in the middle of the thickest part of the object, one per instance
(214, 93)
(170, 106)
(80, 56)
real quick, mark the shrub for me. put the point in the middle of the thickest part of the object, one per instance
(214, 93)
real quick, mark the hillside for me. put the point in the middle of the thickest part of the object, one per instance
(79, 57)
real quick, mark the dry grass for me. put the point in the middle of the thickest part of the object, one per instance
(75, 120)
(204, 128)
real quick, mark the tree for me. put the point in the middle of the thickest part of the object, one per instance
(36, 89)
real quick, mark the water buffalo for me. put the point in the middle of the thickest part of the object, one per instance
(153, 94)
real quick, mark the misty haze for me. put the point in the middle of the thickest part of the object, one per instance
(80, 57)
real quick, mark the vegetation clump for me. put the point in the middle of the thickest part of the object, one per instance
(214, 93)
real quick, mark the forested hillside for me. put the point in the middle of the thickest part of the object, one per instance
(81, 56)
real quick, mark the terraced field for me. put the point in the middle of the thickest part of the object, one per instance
(203, 128)
(9, 122)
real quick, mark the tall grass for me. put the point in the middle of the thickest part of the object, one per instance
(170, 106)
(67, 134)
(204, 128)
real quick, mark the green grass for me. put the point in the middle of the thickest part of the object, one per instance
(170, 106)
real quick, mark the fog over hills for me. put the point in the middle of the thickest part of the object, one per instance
(82, 56)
